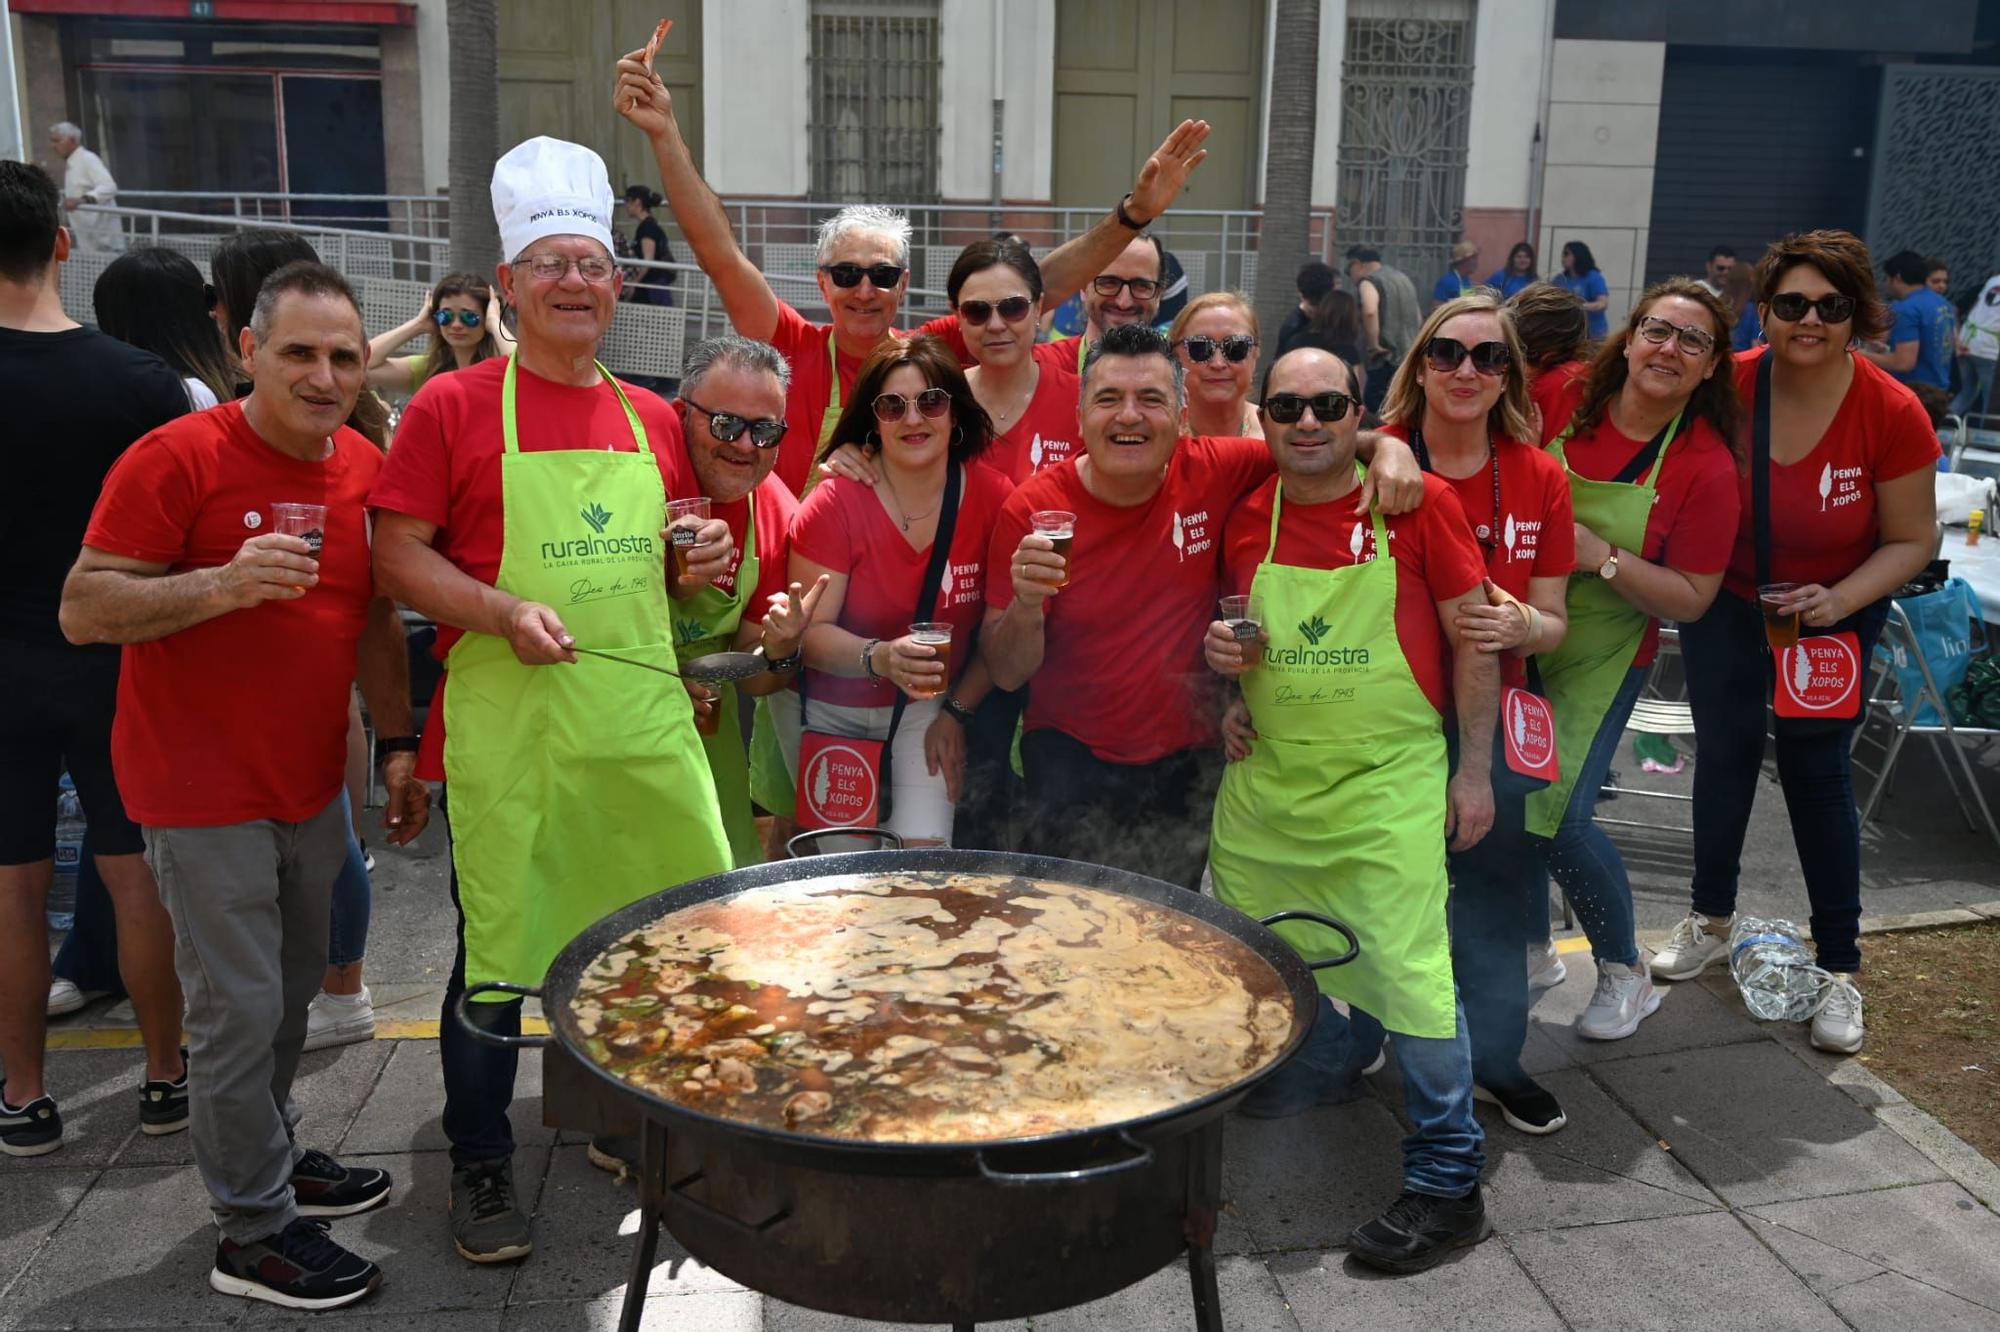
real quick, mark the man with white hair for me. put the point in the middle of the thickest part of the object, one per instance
(86, 180)
(524, 509)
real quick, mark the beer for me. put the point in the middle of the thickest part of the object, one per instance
(1781, 621)
(936, 636)
(1241, 617)
(684, 520)
(1060, 528)
(710, 722)
(305, 521)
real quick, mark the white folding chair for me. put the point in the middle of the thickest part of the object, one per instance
(1891, 721)
(1662, 710)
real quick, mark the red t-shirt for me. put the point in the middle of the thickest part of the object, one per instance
(1554, 386)
(844, 527)
(1122, 668)
(445, 469)
(1823, 520)
(244, 716)
(1047, 432)
(775, 510)
(1436, 560)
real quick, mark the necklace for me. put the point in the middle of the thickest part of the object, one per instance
(1488, 538)
(1020, 405)
(904, 520)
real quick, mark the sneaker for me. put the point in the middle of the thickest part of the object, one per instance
(34, 1129)
(1692, 948)
(1526, 1106)
(1836, 1023)
(1418, 1230)
(1545, 967)
(66, 997)
(486, 1225)
(300, 1267)
(325, 1187)
(163, 1105)
(1624, 998)
(1376, 1064)
(614, 1152)
(339, 1019)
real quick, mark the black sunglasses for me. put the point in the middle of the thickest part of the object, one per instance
(884, 276)
(1105, 285)
(932, 402)
(1236, 347)
(1289, 408)
(1791, 306)
(1014, 309)
(765, 431)
(1447, 354)
(469, 318)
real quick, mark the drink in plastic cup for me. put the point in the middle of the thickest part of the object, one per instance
(306, 521)
(1059, 527)
(1241, 615)
(1781, 624)
(683, 518)
(711, 722)
(938, 636)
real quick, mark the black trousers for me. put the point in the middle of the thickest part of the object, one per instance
(1150, 818)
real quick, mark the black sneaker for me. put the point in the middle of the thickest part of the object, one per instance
(300, 1267)
(1418, 1230)
(163, 1105)
(34, 1129)
(325, 1187)
(1525, 1105)
(486, 1225)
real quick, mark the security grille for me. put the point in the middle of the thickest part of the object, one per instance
(875, 99)
(1406, 96)
(1934, 190)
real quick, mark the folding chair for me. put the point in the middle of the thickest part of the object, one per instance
(1662, 709)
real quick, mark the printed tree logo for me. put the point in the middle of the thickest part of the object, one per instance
(1035, 453)
(1520, 725)
(1314, 629)
(1507, 536)
(597, 516)
(1354, 544)
(1180, 537)
(1801, 670)
(822, 783)
(1825, 485)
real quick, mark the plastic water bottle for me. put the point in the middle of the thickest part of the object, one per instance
(1774, 969)
(69, 856)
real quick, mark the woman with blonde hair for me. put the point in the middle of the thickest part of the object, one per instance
(462, 314)
(1215, 337)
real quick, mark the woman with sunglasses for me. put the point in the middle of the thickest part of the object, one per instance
(914, 417)
(1028, 389)
(462, 314)
(1461, 400)
(1215, 337)
(1645, 438)
(1838, 512)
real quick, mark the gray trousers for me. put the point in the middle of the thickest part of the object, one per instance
(250, 904)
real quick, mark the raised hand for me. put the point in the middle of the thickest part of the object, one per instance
(641, 97)
(1166, 171)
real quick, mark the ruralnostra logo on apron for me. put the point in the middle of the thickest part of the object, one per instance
(1821, 677)
(840, 781)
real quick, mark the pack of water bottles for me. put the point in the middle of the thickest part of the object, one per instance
(1774, 969)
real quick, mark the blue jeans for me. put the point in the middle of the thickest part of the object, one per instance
(352, 900)
(1489, 938)
(1975, 385)
(1441, 1155)
(1581, 856)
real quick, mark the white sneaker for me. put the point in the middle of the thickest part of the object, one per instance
(65, 997)
(1545, 967)
(1836, 1024)
(339, 1019)
(1692, 948)
(1624, 998)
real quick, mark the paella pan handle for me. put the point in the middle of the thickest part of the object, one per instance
(1142, 1158)
(1353, 944)
(807, 843)
(494, 1038)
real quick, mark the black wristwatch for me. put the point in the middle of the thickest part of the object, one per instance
(394, 744)
(957, 709)
(1125, 219)
(785, 663)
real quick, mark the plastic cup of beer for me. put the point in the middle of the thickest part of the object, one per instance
(1781, 619)
(1060, 528)
(305, 521)
(684, 519)
(708, 723)
(1241, 615)
(938, 636)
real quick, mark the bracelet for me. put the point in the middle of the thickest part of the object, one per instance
(786, 663)
(868, 658)
(957, 710)
(1534, 622)
(394, 744)
(1126, 220)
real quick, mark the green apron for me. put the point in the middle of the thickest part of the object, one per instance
(707, 622)
(1340, 807)
(1585, 671)
(579, 788)
(828, 419)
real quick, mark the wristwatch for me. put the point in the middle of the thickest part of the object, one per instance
(394, 744)
(785, 663)
(868, 658)
(957, 709)
(1609, 569)
(1125, 219)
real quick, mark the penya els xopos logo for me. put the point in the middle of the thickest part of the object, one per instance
(1825, 485)
(1507, 535)
(1820, 677)
(1314, 629)
(597, 516)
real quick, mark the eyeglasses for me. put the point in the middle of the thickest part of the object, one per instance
(1447, 354)
(1014, 309)
(1791, 306)
(469, 318)
(765, 431)
(1693, 341)
(1289, 408)
(884, 276)
(1236, 347)
(932, 402)
(554, 267)
(1107, 286)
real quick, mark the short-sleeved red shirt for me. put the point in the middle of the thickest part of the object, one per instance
(843, 527)
(1549, 390)
(775, 510)
(1122, 668)
(1823, 518)
(1047, 432)
(1436, 560)
(244, 716)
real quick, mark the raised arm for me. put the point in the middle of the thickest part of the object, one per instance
(113, 599)
(385, 369)
(642, 98)
(1160, 182)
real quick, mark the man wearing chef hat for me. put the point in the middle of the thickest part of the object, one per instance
(524, 509)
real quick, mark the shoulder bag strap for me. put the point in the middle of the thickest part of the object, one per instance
(1760, 470)
(927, 593)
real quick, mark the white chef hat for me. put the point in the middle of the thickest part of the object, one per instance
(549, 187)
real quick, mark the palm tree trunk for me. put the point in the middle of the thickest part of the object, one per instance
(474, 28)
(1288, 166)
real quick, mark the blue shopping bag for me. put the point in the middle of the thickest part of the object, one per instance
(1942, 621)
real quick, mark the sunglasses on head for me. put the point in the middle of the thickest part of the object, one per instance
(1290, 408)
(884, 276)
(469, 318)
(1447, 354)
(932, 402)
(1014, 309)
(1693, 341)
(1236, 347)
(765, 431)
(1791, 306)
(1107, 286)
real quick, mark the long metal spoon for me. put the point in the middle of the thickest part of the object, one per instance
(714, 668)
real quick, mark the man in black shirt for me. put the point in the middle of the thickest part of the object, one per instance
(74, 399)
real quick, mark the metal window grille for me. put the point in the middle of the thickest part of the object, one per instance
(1406, 97)
(875, 99)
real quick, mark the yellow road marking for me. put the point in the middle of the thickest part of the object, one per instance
(1580, 944)
(127, 1038)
